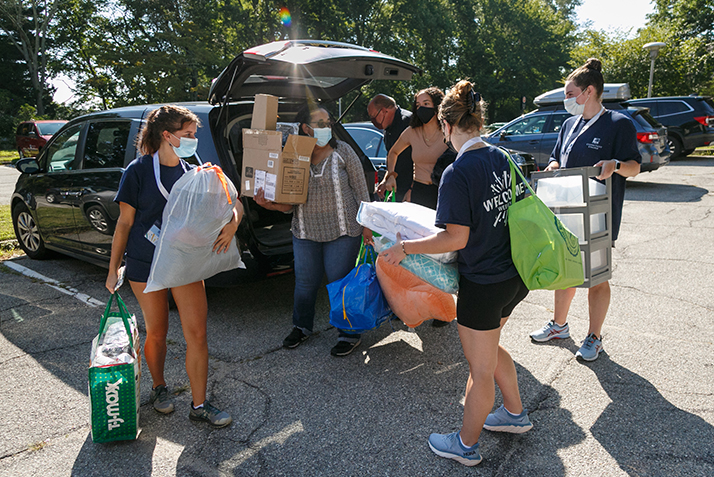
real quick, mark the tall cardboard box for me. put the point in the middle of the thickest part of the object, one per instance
(282, 172)
(265, 112)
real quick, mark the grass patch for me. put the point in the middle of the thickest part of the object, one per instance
(8, 156)
(6, 230)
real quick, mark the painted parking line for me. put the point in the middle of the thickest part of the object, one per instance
(52, 283)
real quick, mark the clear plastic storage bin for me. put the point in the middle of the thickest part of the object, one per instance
(584, 206)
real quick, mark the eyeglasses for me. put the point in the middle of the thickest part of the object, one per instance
(323, 124)
(373, 118)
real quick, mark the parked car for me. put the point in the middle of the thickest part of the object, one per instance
(537, 132)
(63, 200)
(371, 141)
(31, 136)
(689, 120)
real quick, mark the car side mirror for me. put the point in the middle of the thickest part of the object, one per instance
(28, 165)
(503, 136)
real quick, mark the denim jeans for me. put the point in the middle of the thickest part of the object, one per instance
(313, 260)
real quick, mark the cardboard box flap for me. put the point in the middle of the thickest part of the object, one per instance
(300, 146)
(262, 139)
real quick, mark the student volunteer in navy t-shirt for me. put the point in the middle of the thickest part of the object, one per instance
(169, 135)
(594, 136)
(474, 195)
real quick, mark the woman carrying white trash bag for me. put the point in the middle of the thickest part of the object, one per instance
(168, 136)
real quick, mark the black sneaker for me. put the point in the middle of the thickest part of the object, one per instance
(439, 323)
(343, 348)
(294, 339)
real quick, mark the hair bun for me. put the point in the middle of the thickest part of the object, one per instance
(593, 64)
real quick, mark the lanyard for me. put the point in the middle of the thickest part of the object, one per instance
(471, 142)
(565, 148)
(157, 175)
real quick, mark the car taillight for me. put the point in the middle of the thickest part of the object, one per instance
(705, 120)
(647, 137)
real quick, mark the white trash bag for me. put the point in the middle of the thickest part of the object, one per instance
(199, 206)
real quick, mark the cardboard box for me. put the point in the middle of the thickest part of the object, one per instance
(265, 112)
(282, 172)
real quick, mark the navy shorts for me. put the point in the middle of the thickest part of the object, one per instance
(136, 270)
(481, 307)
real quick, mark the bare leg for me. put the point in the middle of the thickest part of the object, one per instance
(155, 308)
(507, 381)
(193, 311)
(598, 303)
(481, 351)
(563, 298)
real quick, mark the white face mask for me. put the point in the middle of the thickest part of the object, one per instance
(323, 136)
(187, 146)
(572, 106)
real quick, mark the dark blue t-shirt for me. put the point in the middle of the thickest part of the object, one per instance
(138, 189)
(475, 192)
(613, 136)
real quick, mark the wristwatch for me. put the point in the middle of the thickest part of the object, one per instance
(618, 164)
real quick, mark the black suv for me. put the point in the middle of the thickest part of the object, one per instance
(537, 132)
(689, 120)
(63, 201)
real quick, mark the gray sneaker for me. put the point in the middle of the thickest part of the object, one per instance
(591, 348)
(161, 399)
(210, 414)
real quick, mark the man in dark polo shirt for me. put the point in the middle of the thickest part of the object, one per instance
(386, 115)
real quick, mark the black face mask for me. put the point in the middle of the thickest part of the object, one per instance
(425, 114)
(451, 146)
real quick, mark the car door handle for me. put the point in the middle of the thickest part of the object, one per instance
(534, 142)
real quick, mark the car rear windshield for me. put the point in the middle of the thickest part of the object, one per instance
(644, 118)
(48, 129)
(708, 102)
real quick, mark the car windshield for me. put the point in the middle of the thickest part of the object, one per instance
(48, 129)
(369, 141)
(642, 117)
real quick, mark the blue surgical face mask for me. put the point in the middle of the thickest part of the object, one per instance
(187, 146)
(323, 136)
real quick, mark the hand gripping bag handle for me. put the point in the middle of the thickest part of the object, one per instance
(122, 312)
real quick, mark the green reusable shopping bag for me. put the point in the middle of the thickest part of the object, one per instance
(114, 383)
(545, 253)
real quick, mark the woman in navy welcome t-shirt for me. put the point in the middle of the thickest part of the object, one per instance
(474, 195)
(169, 135)
(594, 136)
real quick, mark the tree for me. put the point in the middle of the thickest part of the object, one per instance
(26, 23)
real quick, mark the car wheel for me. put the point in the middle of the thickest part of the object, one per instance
(98, 219)
(28, 233)
(675, 147)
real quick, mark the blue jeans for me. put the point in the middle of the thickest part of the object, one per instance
(313, 260)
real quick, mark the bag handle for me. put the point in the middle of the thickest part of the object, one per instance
(513, 166)
(122, 312)
(390, 197)
(207, 166)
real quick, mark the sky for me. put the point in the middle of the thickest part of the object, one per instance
(605, 15)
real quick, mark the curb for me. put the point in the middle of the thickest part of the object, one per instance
(9, 245)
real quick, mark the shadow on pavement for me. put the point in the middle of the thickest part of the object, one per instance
(644, 432)
(659, 192)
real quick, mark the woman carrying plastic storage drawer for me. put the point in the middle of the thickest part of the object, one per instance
(594, 136)
(326, 235)
(490, 287)
(169, 136)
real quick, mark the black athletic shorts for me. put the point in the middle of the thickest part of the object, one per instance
(481, 307)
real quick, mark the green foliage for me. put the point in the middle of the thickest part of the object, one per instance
(684, 66)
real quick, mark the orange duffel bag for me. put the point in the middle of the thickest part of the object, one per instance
(412, 299)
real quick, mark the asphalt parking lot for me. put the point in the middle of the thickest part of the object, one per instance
(644, 408)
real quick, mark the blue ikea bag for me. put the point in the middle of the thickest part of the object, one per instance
(357, 303)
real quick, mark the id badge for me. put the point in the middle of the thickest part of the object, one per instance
(153, 234)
